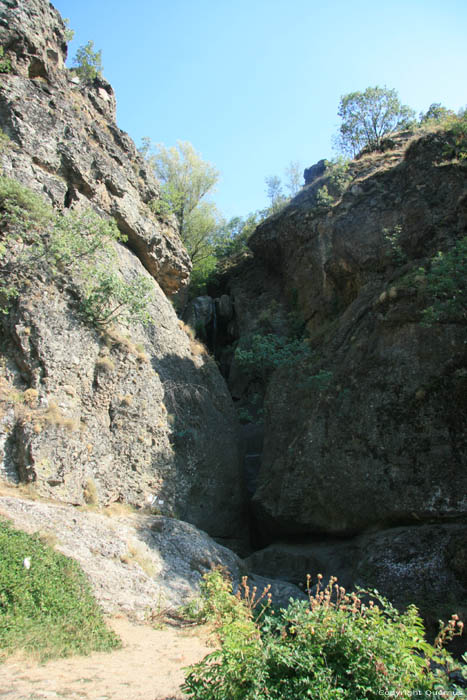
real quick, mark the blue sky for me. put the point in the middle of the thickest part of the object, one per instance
(255, 84)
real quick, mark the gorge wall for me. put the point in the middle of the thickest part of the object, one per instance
(362, 474)
(140, 414)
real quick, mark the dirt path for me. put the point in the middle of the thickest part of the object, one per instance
(148, 667)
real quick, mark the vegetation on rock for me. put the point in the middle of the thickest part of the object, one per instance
(35, 238)
(46, 605)
(369, 116)
(5, 63)
(335, 645)
(446, 285)
(87, 64)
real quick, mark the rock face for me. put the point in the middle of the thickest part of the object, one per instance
(377, 435)
(67, 145)
(362, 472)
(138, 415)
(138, 565)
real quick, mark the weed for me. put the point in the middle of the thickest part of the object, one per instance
(105, 363)
(80, 244)
(5, 63)
(137, 554)
(333, 646)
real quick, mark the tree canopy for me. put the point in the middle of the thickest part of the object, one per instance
(186, 179)
(369, 116)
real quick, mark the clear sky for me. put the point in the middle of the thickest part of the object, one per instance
(255, 84)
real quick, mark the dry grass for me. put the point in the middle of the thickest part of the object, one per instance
(104, 362)
(54, 416)
(90, 493)
(112, 337)
(137, 554)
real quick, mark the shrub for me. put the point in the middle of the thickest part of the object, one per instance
(446, 285)
(334, 646)
(456, 129)
(46, 605)
(261, 354)
(88, 63)
(5, 63)
(323, 200)
(337, 172)
(34, 238)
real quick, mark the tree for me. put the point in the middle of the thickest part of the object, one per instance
(436, 113)
(367, 117)
(88, 62)
(274, 191)
(186, 179)
(294, 177)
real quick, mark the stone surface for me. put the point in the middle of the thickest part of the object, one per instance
(377, 435)
(138, 412)
(138, 565)
(66, 144)
(136, 415)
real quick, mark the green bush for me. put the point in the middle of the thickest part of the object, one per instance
(334, 646)
(5, 63)
(46, 604)
(88, 63)
(323, 200)
(456, 131)
(337, 172)
(35, 238)
(446, 285)
(261, 354)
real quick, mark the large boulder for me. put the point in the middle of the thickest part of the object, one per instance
(422, 564)
(139, 412)
(138, 565)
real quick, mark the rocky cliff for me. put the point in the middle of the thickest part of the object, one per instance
(365, 427)
(136, 414)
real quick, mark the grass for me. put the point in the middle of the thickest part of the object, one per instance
(46, 606)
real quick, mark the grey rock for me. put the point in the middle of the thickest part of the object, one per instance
(138, 565)
(67, 146)
(199, 313)
(377, 432)
(425, 565)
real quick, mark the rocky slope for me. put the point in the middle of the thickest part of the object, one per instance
(134, 414)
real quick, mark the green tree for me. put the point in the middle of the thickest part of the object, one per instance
(88, 63)
(369, 116)
(436, 113)
(294, 177)
(186, 179)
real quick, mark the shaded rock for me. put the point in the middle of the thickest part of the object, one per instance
(224, 307)
(370, 430)
(421, 565)
(315, 171)
(199, 314)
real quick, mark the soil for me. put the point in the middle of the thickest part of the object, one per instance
(148, 667)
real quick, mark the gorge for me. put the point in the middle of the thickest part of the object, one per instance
(351, 453)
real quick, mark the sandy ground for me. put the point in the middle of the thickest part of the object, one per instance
(148, 667)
